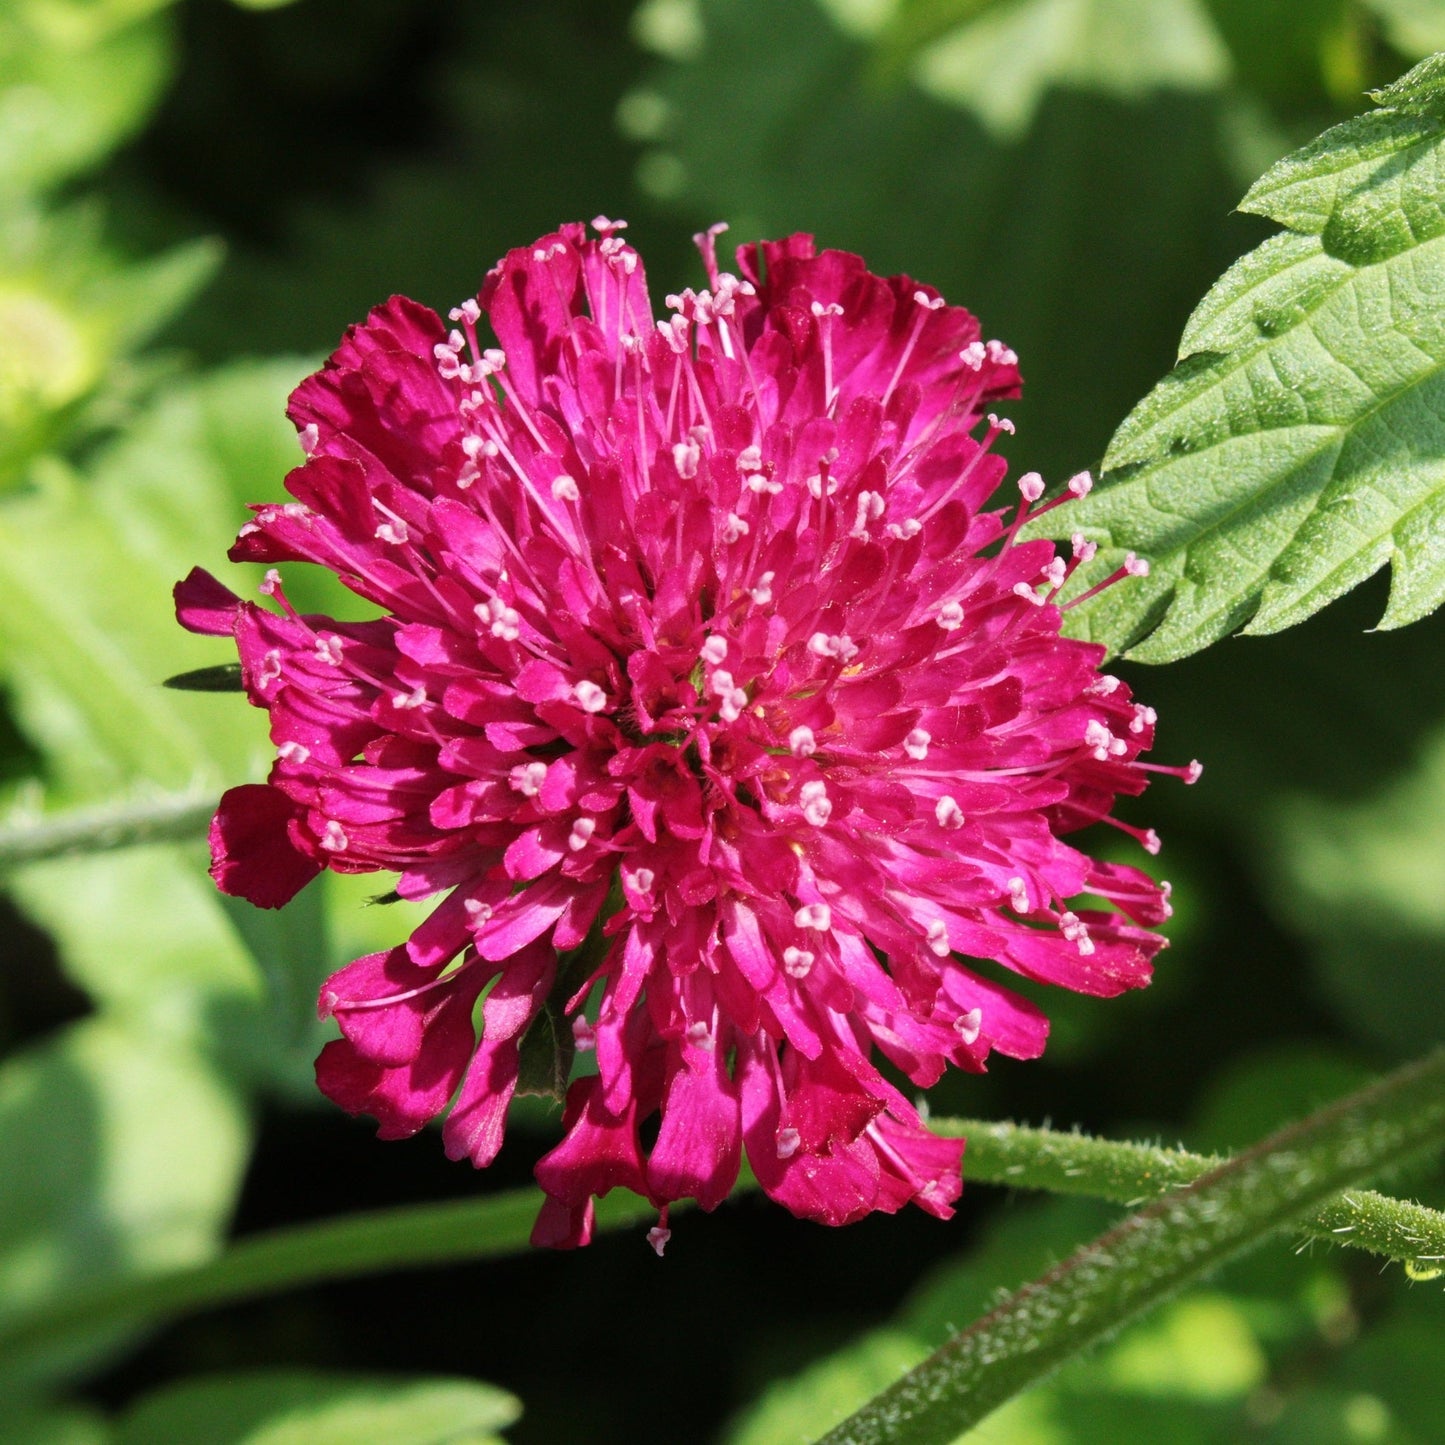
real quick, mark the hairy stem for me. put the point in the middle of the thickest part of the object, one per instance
(169, 819)
(419, 1235)
(1152, 1255)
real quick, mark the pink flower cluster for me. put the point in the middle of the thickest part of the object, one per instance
(730, 728)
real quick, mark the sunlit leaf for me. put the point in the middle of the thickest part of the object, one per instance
(118, 1153)
(1000, 59)
(71, 89)
(87, 632)
(1300, 444)
(298, 1407)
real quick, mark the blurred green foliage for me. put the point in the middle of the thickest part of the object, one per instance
(1066, 168)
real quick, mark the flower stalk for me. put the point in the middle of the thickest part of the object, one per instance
(496, 1226)
(1152, 1255)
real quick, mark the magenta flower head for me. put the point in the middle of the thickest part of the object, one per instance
(730, 730)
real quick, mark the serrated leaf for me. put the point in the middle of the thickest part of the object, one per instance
(1299, 445)
(306, 1407)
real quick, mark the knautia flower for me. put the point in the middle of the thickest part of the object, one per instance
(730, 729)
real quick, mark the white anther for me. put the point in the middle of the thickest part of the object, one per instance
(657, 1237)
(929, 303)
(1000, 354)
(270, 584)
(1001, 423)
(1031, 486)
(1018, 895)
(1193, 772)
(405, 700)
(1102, 685)
(1083, 548)
(903, 531)
(916, 744)
(527, 778)
(972, 355)
(293, 752)
(760, 482)
(296, 512)
(310, 439)
(1080, 484)
(1100, 739)
(604, 227)
(1135, 566)
(584, 1036)
(674, 332)
(948, 813)
(817, 916)
(581, 834)
(506, 623)
(334, 839)
(762, 593)
(1150, 841)
(733, 705)
(802, 743)
(840, 645)
(1076, 932)
(477, 912)
(468, 311)
(968, 1025)
(685, 457)
(1027, 593)
(447, 363)
(870, 508)
(788, 1142)
(938, 938)
(734, 529)
(817, 807)
(1053, 574)
(700, 1036)
(328, 649)
(831, 308)
(816, 485)
(394, 532)
(750, 459)
(643, 879)
(721, 683)
(546, 253)
(565, 489)
(950, 616)
(589, 697)
(797, 962)
(714, 650)
(1144, 717)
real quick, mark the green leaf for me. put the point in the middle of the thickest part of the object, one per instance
(87, 631)
(55, 1426)
(1299, 445)
(73, 87)
(1152, 1255)
(303, 1407)
(1000, 59)
(120, 1154)
(1416, 28)
(1361, 882)
(71, 313)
